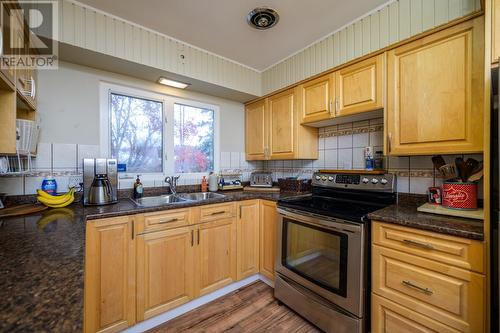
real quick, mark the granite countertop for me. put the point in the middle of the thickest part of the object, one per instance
(405, 213)
(42, 262)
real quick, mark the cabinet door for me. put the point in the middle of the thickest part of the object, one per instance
(255, 131)
(247, 239)
(317, 98)
(495, 31)
(164, 270)
(359, 87)
(282, 125)
(436, 93)
(268, 223)
(109, 275)
(215, 263)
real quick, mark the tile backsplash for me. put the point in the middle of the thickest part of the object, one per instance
(340, 147)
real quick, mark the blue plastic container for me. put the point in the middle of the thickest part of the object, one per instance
(49, 185)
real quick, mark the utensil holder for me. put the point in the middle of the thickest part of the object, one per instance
(460, 195)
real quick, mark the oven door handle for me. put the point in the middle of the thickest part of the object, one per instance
(328, 223)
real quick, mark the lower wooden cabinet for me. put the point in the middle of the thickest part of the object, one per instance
(140, 266)
(215, 262)
(247, 238)
(268, 223)
(389, 317)
(109, 293)
(419, 283)
(165, 270)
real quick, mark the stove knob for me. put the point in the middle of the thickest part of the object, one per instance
(374, 181)
(330, 178)
(383, 181)
(318, 177)
(323, 178)
(365, 180)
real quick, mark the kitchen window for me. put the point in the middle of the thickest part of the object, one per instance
(157, 135)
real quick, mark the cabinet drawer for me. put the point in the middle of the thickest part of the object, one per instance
(447, 294)
(456, 251)
(389, 317)
(166, 220)
(215, 212)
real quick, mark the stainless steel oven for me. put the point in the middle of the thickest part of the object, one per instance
(322, 259)
(322, 266)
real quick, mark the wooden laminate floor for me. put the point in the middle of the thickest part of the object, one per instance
(250, 309)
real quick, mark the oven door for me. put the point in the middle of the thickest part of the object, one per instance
(324, 255)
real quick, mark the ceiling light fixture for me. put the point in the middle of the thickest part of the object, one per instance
(173, 83)
(263, 18)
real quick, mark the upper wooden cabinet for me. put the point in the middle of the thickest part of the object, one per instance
(435, 93)
(247, 239)
(359, 87)
(274, 132)
(255, 131)
(495, 31)
(109, 275)
(316, 98)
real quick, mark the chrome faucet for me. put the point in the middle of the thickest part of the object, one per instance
(172, 183)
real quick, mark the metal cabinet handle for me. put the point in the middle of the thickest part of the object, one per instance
(336, 107)
(192, 237)
(414, 286)
(133, 231)
(198, 236)
(330, 107)
(240, 210)
(168, 221)
(418, 244)
(218, 213)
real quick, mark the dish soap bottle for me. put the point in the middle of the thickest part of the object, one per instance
(49, 185)
(138, 188)
(204, 185)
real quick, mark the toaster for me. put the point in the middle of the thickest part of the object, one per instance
(261, 179)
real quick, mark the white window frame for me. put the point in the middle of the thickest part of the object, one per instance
(105, 91)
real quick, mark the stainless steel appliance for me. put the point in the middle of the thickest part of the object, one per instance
(100, 181)
(261, 179)
(495, 201)
(322, 260)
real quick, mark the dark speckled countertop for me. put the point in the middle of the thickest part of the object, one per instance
(42, 262)
(405, 213)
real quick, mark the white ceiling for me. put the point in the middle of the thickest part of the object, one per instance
(220, 26)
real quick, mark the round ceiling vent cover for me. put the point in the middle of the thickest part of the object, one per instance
(263, 18)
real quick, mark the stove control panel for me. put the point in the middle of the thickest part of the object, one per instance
(381, 183)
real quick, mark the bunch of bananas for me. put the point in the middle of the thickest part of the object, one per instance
(56, 201)
(53, 215)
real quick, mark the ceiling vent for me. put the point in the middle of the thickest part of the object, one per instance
(262, 18)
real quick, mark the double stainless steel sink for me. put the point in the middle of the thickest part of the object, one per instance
(162, 200)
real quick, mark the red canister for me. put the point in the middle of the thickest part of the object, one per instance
(460, 195)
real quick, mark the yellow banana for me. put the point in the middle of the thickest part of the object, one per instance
(64, 204)
(44, 194)
(59, 200)
(47, 196)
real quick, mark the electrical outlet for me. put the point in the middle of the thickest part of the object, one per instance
(74, 181)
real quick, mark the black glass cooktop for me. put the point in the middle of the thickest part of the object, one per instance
(337, 207)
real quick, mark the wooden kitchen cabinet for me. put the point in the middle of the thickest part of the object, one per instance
(421, 281)
(256, 131)
(268, 241)
(435, 95)
(165, 270)
(360, 87)
(215, 263)
(317, 99)
(283, 136)
(247, 239)
(109, 293)
(495, 31)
